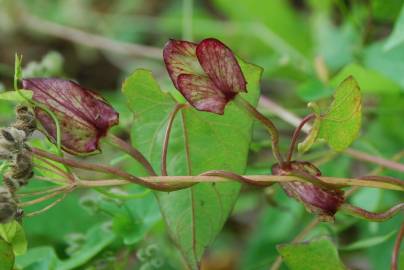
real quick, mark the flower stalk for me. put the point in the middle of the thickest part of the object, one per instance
(296, 134)
(133, 152)
(253, 112)
(167, 134)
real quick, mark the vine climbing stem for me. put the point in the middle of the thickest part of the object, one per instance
(169, 183)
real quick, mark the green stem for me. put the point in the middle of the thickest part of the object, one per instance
(252, 111)
(44, 198)
(46, 208)
(123, 196)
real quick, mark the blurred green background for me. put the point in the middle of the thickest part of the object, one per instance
(306, 48)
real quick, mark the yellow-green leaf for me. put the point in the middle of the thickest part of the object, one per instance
(341, 124)
(6, 255)
(319, 254)
(311, 137)
(13, 233)
(15, 96)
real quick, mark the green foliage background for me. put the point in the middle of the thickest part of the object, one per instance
(306, 49)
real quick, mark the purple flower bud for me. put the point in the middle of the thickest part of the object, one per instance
(317, 200)
(207, 74)
(84, 116)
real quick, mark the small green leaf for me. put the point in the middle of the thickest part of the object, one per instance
(341, 124)
(14, 234)
(97, 238)
(15, 96)
(368, 242)
(6, 255)
(316, 255)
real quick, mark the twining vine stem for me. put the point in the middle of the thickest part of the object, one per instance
(169, 183)
(258, 179)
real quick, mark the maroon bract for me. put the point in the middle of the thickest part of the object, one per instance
(84, 116)
(207, 74)
(322, 202)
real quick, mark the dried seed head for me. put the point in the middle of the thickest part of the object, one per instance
(8, 206)
(12, 141)
(25, 120)
(21, 170)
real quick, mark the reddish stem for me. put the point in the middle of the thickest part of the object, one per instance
(396, 250)
(55, 169)
(104, 169)
(167, 134)
(133, 152)
(296, 134)
(370, 216)
(252, 111)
